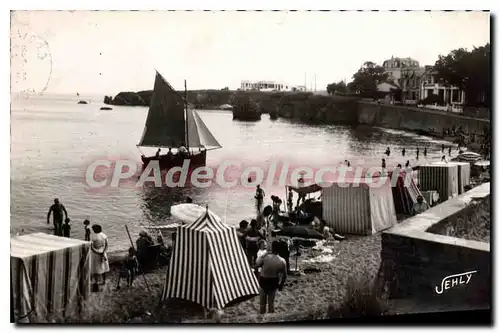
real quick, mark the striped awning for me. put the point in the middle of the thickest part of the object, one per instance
(50, 276)
(208, 265)
(405, 193)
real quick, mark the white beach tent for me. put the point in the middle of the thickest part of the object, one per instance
(355, 207)
(50, 276)
(208, 265)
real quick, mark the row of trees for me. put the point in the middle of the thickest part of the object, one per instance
(364, 81)
(468, 70)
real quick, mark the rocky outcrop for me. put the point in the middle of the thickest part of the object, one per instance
(303, 106)
(245, 108)
(129, 98)
(82, 102)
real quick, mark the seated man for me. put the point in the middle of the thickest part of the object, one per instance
(144, 253)
(420, 206)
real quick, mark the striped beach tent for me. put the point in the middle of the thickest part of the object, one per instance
(405, 192)
(50, 276)
(463, 174)
(208, 265)
(359, 206)
(441, 177)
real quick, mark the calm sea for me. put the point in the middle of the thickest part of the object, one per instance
(54, 140)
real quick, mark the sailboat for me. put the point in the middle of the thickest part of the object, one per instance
(172, 124)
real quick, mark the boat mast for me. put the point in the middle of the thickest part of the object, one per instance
(186, 117)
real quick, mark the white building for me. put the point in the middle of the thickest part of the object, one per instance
(269, 86)
(418, 82)
(395, 66)
(430, 86)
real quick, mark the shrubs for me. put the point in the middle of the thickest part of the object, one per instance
(431, 100)
(472, 223)
(361, 300)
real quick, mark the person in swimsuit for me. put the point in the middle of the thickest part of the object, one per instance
(129, 270)
(252, 237)
(241, 231)
(86, 223)
(259, 197)
(272, 277)
(66, 228)
(58, 210)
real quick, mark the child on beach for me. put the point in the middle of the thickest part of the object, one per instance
(66, 228)
(262, 251)
(86, 223)
(129, 270)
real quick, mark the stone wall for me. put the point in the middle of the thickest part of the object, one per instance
(414, 119)
(414, 262)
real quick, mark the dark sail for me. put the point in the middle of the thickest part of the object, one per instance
(165, 123)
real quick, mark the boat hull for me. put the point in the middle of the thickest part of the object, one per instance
(167, 162)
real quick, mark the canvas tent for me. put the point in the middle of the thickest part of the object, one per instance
(405, 193)
(441, 177)
(50, 276)
(208, 265)
(463, 174)
(354, 206)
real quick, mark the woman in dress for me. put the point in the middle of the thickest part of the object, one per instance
(99, 257)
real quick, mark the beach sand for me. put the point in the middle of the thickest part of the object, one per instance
(302, 295)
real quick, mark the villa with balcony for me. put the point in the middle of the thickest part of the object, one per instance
(430, 85)
(417, 83)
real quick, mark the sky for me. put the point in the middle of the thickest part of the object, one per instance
(105, 52)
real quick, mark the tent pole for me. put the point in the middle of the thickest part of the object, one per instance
(286, 200)
(132, 243)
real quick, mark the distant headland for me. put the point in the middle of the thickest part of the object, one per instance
(305, 106)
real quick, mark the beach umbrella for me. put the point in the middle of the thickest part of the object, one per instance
(482, 164)
(188, 212)
(468, 157)
(300, 232)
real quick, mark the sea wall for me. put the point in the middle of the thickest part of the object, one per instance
(415, 261)
(415, 119)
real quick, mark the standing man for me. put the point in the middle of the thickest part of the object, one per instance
(259, 196)
(272, 277)
(57, 210)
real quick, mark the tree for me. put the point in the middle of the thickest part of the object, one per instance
(469, 71)
(338, 87)
(366, 79)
